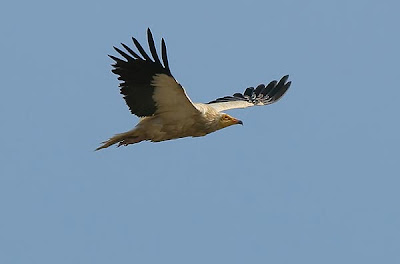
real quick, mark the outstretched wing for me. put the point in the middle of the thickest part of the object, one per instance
(147, 84)
(261, 95)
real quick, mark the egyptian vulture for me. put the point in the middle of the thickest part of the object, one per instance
(165, 111)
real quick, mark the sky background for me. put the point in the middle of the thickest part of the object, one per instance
(313, 178)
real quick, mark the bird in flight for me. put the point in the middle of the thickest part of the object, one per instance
(161, 103)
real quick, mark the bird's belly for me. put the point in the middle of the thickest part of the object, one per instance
(173, 131)
(176, 131)
(157, 129)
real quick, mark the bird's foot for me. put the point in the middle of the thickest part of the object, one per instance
(128, 141)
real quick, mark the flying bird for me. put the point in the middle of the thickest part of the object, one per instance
(161, 103)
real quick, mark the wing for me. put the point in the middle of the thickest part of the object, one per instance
(261, 95)
(147, 84)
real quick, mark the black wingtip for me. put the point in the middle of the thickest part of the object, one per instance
(123, 54)
(150, 41)
(140, 49)
(134, 54)
(249, 91)
(117, 60)
(164, 55)
(282, 88)
(284, 79)
(264, 94)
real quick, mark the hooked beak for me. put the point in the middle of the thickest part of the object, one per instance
(239, 122)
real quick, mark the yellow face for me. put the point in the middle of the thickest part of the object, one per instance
(227, 120)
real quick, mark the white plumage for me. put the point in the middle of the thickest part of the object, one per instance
(166, 112)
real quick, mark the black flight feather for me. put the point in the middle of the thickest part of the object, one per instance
(152, 47)
(136, 75)
(261, 94)
(131, 51)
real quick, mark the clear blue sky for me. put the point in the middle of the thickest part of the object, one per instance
(313, 178)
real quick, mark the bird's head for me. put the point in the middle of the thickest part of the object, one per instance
(227, 120)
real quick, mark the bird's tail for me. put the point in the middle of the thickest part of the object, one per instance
(123, 139)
